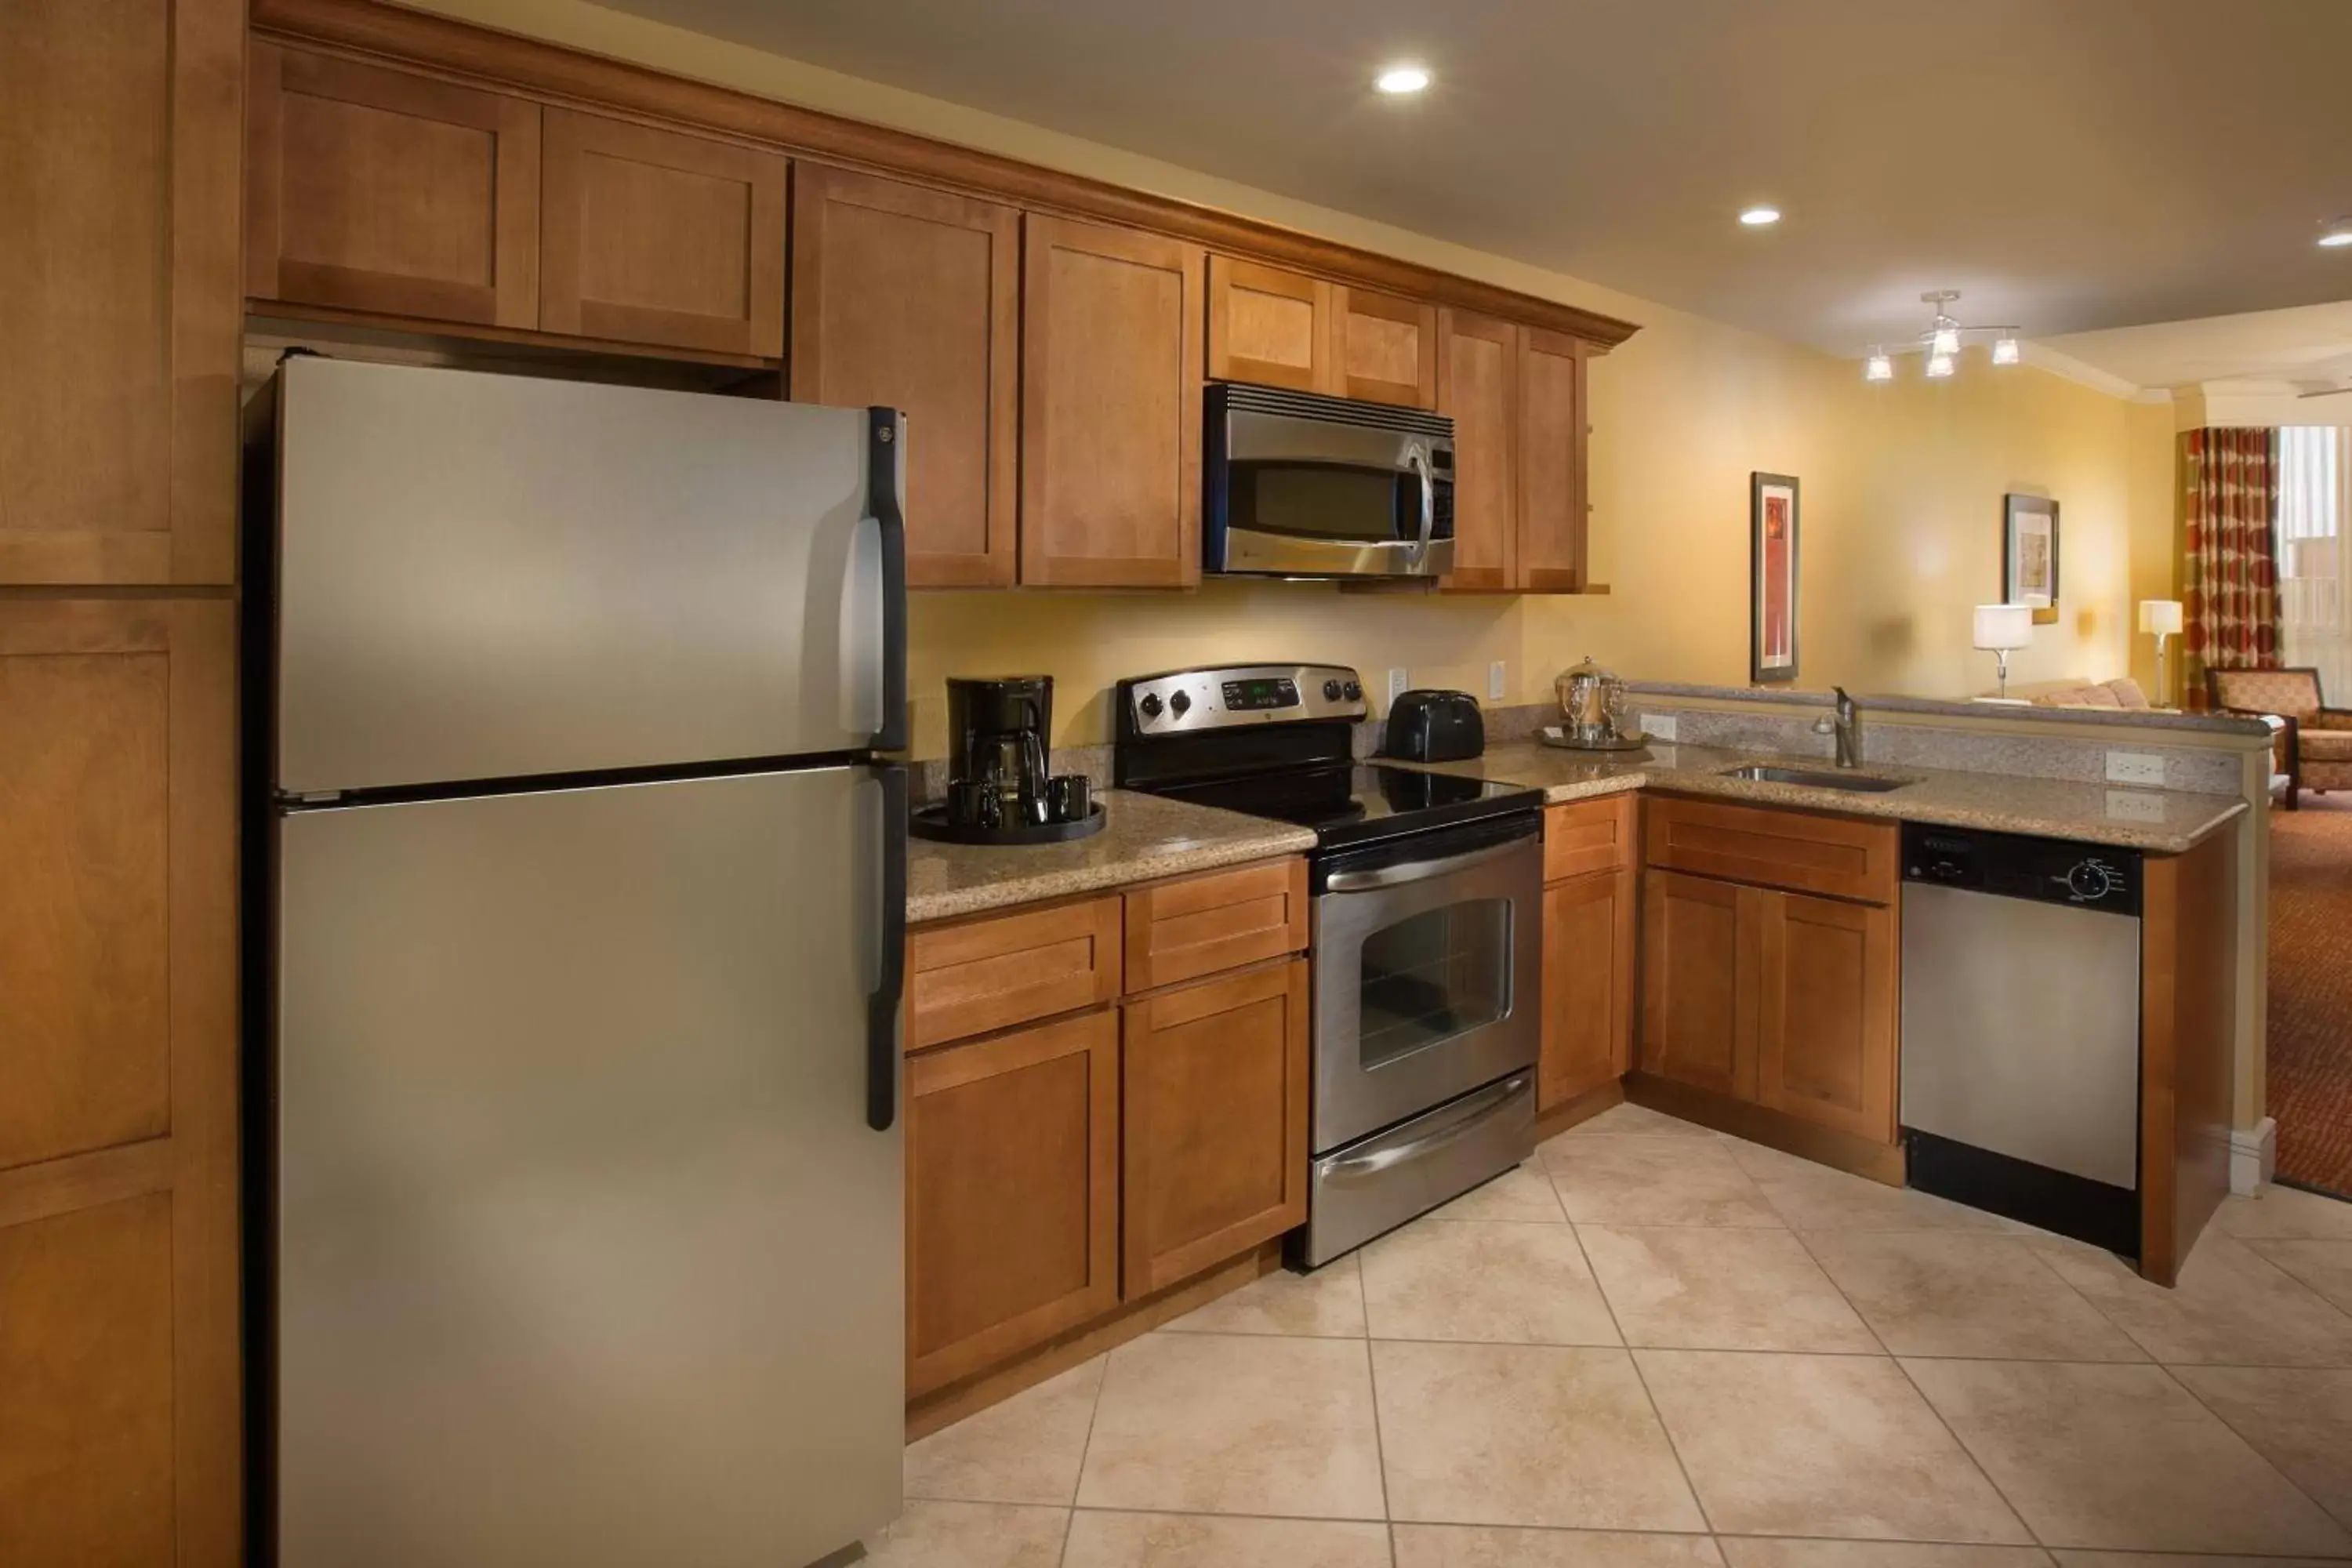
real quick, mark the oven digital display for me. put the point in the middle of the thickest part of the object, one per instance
(1244, 696)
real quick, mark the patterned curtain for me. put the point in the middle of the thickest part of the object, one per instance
(2229, 568)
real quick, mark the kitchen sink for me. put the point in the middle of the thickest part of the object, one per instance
(1859, 783)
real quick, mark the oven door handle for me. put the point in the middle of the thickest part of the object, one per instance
(1418, 870)
(1465, 1114)
(1419, 464)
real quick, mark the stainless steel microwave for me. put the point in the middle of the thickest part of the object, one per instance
(1297, 485)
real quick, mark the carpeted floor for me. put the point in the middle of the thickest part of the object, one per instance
(2311, 991)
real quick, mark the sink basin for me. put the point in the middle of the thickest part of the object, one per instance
(1858, 783)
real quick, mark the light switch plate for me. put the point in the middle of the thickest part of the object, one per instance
(1397, 683)
(2132, 805)
(1498, 681)
(1658, 726)
(2135, 767)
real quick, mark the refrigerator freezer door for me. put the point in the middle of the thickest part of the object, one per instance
(586, 1254)
(495, 576)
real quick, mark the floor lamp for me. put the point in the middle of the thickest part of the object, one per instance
(2161, 619)
(2000, 628)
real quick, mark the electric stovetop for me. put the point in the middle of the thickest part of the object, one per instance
(1356, 802)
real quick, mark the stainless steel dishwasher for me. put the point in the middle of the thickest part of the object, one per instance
(2021, 1028)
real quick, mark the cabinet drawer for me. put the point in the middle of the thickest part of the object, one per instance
(1000, 970)
(1198, 925)
(1585, 835)
(1775, 848)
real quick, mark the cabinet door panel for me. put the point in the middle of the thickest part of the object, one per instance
(1268, 326)
(1193, 926)
(379, 190)
(1215, 1120)
(1581, 836)
(1111, 407)
(119, 1374)
(970, 976)
(1012, 1194)
(1552, 516)
(120, 302)
(1384, 349)
(1825, 1049)
(911, 298)
(1699, 982)
(1477, 385)
(1587, 985)
(652, 237)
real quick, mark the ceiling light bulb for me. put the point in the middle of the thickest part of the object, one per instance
(1878, 367)
(2338, 237)
(2004, 350)
(1939, 365)
(1761, 218)
(1401, 79)
(1946, 342)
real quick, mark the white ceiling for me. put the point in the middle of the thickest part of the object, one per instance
(2308, 349)
(2069, 164)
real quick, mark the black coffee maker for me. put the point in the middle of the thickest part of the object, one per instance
(999, 791)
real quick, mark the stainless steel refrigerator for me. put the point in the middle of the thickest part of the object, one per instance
(579, 900)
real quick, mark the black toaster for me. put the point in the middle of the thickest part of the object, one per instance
(1435, 727)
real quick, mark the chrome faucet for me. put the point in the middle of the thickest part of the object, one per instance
(1846, 727)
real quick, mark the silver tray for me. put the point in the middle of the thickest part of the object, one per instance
(1552, 735)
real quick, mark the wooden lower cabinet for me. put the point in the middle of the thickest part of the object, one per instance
(1012, 1194)
(1589, 934)
(1825, 1039)
(1699, 982)
(1215, 1121)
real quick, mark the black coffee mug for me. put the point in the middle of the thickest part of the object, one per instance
(1071, 796)
(973, 803)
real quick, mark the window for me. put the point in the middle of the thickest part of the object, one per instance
(2314, 519)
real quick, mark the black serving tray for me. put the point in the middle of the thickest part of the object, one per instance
(932, 822)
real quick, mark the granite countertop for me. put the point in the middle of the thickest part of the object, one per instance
(1145, 837)
(2140, 718)
(2161, 821)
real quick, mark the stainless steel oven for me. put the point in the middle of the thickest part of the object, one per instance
(1427, 1023)
(1297, 485)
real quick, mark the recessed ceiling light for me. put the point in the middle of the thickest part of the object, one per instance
(1401, 79)
(2337, 233)
(1761, 218)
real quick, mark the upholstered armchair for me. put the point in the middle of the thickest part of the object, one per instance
(2314, 748)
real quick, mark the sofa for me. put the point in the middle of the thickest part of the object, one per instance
(2314, 742)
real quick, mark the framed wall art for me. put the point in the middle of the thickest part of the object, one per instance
(2029, 555)
(1773, 577)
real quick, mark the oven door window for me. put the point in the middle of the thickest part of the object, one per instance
(1347, 503)
(1431, 976)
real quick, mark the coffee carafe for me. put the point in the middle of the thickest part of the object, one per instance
(997, 734)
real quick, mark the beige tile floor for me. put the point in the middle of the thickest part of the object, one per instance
(1654, 1347)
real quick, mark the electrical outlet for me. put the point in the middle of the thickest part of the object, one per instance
(1397, 684)
(1498, 681)
(1658, 726)
(2131, 806)
(2135, 767)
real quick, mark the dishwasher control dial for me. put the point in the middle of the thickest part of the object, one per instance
(2091, 880)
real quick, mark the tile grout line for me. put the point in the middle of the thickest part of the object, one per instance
(2264, 1459)
(1094, 1408)
(1380, 1444)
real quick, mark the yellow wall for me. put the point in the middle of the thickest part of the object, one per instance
(1900, 520)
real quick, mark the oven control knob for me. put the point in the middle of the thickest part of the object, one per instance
(1151, 705)
(1331, 691)
(2090, 881)
(1179, 704)
(1353, 692)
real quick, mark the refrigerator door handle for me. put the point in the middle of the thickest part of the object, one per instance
(882, 1006)
(886, 468)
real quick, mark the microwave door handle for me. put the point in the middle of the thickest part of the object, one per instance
(1419, 464)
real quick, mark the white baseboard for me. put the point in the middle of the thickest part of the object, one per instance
(2253, 1157)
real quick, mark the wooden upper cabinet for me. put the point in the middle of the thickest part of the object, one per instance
(1699, 988)
(384, 191)
(1552, 442)
(1477, 385)
(1383, 349)
(655, 236)
(911, 298)
(120, 300)
(1826, 1036)
(1012, 1194)
(1110, 406)
(1269, 326)
(118, 1371)
(1215, 1093)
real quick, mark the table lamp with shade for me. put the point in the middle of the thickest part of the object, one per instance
(2161, 619)
(2001, 628)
